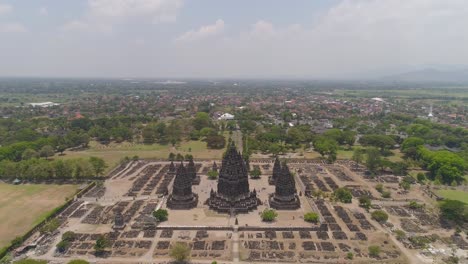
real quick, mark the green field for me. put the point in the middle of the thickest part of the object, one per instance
(454, 195)
(114, 152)
(23, 206)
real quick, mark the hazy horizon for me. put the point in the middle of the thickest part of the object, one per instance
(318, 40)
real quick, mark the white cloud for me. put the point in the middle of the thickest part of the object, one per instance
(156, 10)
(43, 11)
(12, 28)
(75, 25)
(5, 8)
(203, 32)
(102, 15)
(263, 28)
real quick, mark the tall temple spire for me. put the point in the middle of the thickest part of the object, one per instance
(276, 171)
(182, 196)
(285, 197)
(233, 194)
(192, 171)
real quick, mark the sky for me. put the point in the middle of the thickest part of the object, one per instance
(315, 39)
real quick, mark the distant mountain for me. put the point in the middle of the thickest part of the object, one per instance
(431, 75)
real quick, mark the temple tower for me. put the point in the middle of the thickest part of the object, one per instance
(285, 196)
(233, 194)
(276, 172)
(182, 196)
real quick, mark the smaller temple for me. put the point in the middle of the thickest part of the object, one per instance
(172, 168)
(182, 196)
(119, 221)
(285, 196)
(192, 171)
(276, 172)
(214, 167)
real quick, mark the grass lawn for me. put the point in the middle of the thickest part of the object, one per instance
(454, 195)
(23, 206)
(114, 152)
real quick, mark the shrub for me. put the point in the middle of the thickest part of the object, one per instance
(379, 187)
(255, 173)
(62, 245)
(180, 252)
(380, 216)
(400, 234)
(161, 215)
(349, 255)
(101, 244)
(343, 195)
(421, 177)
(386, 194)
(374, 251)
(269, 215)
(415, 205)
(365, 202)
(78, 261)
(212, 175)
(311, 217)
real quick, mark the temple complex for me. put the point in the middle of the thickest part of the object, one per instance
(233, 194)
(182, 196)
(285, 196)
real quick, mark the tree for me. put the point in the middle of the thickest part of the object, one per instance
(180, 252)
(255, 173)
(201, 120)
(29, 154)
(269, 215)
(380, 141)
(98, 164)
(379, 216)
(343, 195)
(373, 160)
(101, 244)
(311, 217)
(50, 226)
(399, 168)
(454, 210)
(215, 141)
(421, 177)
(161, 215)
(358, 156)
(62, 246)
(374, 251)
(326, 147)
(365, 202)
(47, 151)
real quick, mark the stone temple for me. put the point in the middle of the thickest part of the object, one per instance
(285, 196)
(276, 172)
(233, 194)
(192, 171)
(182, 196)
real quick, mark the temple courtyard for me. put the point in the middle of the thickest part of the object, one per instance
(121, 209)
